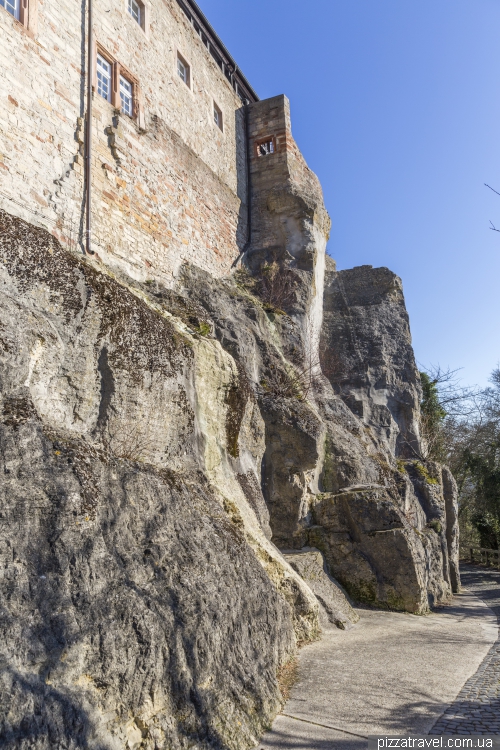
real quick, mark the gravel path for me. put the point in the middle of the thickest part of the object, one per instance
(476, 709)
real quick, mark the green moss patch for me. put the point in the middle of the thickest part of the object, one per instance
(236, 400)
(423, 473)
(436, 526)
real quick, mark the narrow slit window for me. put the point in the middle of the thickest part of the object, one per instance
(103, 78)
(135, 11)
(183, 70)
(265, 148)
(126, 97)
(218, 116)
(11, 6)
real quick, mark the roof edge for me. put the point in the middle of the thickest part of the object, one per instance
(218, 50)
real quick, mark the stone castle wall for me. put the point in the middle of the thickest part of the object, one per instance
(280, 181)
(289, 223)
(168, 186)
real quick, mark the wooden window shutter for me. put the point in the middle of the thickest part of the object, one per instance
(23, 12)
(136, 101)
(93, 72)
(115, 94)
(146, 18)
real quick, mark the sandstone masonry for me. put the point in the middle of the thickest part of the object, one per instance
(169, 184)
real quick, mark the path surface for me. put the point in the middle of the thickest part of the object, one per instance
(476, 709)
(392, 673)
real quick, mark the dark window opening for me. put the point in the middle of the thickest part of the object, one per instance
(265, 148)
(216, 57)
(218, 116)
(183, 70)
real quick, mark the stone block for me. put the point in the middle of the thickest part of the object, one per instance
(335, 607)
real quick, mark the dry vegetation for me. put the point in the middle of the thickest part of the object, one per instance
(287, 676)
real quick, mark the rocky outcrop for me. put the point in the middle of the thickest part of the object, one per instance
(450, 493)
(159, 446)
(368, 357)
(388, 547)
(142, 601)
(127, 599)
(335, 608)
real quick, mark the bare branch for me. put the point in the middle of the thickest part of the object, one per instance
(493, 227)
(489, 186)
(457, 400)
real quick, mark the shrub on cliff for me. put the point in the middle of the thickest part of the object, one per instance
(432, 417)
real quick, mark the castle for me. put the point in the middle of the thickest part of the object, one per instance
(176, 133)
(202, 420)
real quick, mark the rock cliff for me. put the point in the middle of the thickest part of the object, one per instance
(368, 355)
(142, 601)
(192, 477)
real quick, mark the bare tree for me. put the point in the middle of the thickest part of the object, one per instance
(493, 227)
(456, 399)
(276, 286)
(445, 404)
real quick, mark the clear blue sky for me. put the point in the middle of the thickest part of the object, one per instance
(396, 107)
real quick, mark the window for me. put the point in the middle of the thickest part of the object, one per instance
(264, 148)
(139, 11)
(217, 116)
(183, 70)
(135, 11)
(11, 6)
(20, 10)
(126, 96)
(103, 77)
(116, 84)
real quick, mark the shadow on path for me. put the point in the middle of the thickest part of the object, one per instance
(476, 710)
(396, 673)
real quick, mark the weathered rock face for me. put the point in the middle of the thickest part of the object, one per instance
(142, 601)
(328, 480)
(159, 445)
(335, 608)
(377, 551)
(368, 357)
(450, 492)
(134, 616)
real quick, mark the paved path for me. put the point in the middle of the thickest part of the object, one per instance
(476, 709)
(392, 673)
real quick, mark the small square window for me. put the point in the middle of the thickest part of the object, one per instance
(265, 148)
(218, 116)
(103, 78)
(135, 10)
(11, 6)
(183, 70)
(126, 97)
